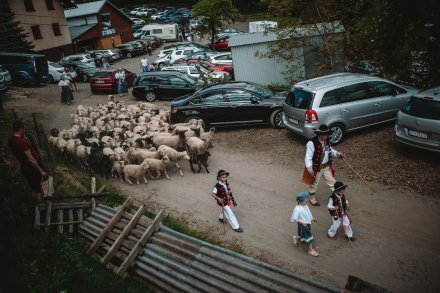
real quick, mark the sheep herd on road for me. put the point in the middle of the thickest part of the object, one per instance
(132, 141)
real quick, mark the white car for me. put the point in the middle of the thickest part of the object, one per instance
(142, 12)
(156, 16)
(135, 10)
(137, 21)
(193, 72)
(85, 58)
(181, 53)
(114, 55)
(55, 71)
(221, 58)
(163, 61)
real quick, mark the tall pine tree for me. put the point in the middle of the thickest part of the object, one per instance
(12, 37)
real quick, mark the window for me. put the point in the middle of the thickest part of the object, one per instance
(146, 81)
(177, 81)
(213, 98)
(36, 32)
(235, 96)
(162, 80)
(380, 89)
(354, 92)
(423, 107)
(196, 101)
(223, 57)
(122, 36)
(187, 52)
(29, 5)
(157, 31)
(49, 5)
(56, 29)
(299, 98)
(330, 98)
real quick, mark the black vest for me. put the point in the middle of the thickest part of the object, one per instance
(340, 207)
(319, 153)
(223, 194)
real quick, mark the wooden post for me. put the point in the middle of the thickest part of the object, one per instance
(37, 217)
(37, 130)
(46, 145)
(93, 191)
(80, 215)
(48, 214)
(51, 189)
(60, 221)
(70, 221)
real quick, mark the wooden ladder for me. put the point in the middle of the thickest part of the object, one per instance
(120, 240)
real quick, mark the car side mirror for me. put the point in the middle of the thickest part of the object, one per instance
(254, 100)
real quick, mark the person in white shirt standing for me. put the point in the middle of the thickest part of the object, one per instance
(303, 217)
(120, 78)
(338, 207)
(318, 160)
(144, 64)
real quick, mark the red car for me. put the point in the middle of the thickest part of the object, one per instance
(221, 44)
(209, 66)
(104, 80)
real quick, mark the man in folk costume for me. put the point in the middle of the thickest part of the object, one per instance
(222, 192)
(338, 207)
(319, 159)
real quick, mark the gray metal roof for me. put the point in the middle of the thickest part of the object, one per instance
(174, 262)
(299, 31)
(76, 31)
(84, 9)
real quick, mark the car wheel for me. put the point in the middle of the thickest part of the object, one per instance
(276, 119)
(85, 78)
(197, 118)
(150, 97)
(129, 55)
(338, 133)
(50, 79)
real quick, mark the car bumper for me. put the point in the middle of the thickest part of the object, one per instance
(307, 130)
(402, 136)
(102, 87)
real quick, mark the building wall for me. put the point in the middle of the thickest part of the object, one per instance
(121, 25)
(264, 71)
(44, 18)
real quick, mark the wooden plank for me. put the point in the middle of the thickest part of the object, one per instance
(64, 223)
(80, 215)
(37, 217)
(70, 221)
(66, 206)
(141, 243)
(60, 220)
(144, 222)
(85, 196)
(101, 189)
(51, 188)
(93, 191)
(48, 215)
(37, 130)
(109, 227)
(124, 234)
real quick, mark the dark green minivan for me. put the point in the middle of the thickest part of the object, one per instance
(25, 69)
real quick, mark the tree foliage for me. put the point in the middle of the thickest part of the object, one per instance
(214, 13)
(12, 36)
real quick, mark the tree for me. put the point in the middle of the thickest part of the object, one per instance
(214, 12)
(12, 36)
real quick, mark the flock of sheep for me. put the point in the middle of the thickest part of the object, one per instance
(132, 141)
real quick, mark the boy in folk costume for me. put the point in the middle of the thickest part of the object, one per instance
(338, 207)
(303, 216)
(222, 192)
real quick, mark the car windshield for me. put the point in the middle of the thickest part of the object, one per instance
(260, 90)
(56, 65)
(423, 108)
(299, 98)
(85, 65)
(102, 74)
(190, 79)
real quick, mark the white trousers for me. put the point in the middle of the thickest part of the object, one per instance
(336, 223)
(329, 179)
(232, 220)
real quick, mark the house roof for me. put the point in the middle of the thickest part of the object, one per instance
(76, 31)
(90, 8)
(309, 30)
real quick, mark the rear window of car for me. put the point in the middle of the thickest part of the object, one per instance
(423, 108)
(102, 74)
(299, 98)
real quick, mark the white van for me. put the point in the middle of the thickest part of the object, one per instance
(166, 32)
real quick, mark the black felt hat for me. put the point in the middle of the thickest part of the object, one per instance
(221, 173)
(339, 185)
(323, 130)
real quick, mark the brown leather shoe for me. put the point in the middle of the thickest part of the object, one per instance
(351, 238)
(331, 237)
(316, 204)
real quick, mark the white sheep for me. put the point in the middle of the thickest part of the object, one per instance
(208, 136)
(175, 141)
(174, 156)
(158, 165)
(136, 171)
(82, 155)
(117, 169)
(198, 151)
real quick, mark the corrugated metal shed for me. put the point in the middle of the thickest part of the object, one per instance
(174, 262)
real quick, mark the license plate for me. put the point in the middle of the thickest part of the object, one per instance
(418, 134)
(294, 121)
(99, 81)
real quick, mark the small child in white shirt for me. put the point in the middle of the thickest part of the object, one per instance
(303, 216)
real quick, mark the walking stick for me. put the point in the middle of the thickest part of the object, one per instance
(357, 174)
(224, 218)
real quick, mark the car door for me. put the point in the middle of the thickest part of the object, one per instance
(357, 109)
(215, 108)
(180, 87)
(244, 107)
(389, 99)
(162, 86)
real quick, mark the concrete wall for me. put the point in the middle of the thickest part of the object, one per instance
(44, 18)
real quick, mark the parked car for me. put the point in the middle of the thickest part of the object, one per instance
(221, 58)
(184, 44)
(231, 103)
(191, 70)
(6, 75)
(86, 58)
(25, 69)
(220, 44)
(85, 49)
(344, 102)
(137, 21)
(104, 80)
(162, 62)
(155, 85)
(204, 55)
(3, 85)
(128, 50)
(55, 72)
(366, 67)
(156, 16)
(138, 33)
(141, 46)
(154, 41)
(181, 53)
(208, 65)
(114, 54)
(84, 71)
(418, 122)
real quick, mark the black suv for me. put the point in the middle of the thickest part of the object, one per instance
(129, 51)
(231, 103)
(155, 85)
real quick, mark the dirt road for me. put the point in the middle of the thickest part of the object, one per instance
(398, 241)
